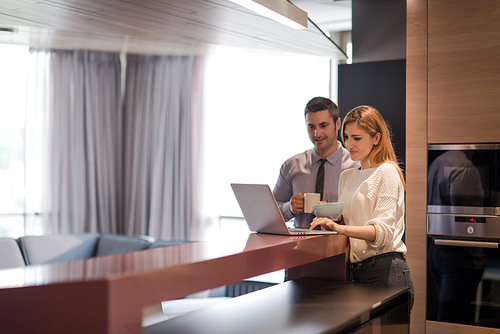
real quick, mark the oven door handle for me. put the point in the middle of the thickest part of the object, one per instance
(465, 243)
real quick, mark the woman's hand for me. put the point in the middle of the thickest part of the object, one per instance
(327, 224)
(366, 232)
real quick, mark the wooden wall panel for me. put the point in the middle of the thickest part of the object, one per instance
(464, 71)
(416, 155)
(453, 85)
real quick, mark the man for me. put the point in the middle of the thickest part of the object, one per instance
(298, 175)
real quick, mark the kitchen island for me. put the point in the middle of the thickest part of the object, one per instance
(107, 294)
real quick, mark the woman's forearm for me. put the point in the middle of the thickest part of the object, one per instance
(367, 232)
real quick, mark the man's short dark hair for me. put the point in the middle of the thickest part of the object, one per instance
(322, 103)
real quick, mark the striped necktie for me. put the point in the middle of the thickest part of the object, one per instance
(320, 178)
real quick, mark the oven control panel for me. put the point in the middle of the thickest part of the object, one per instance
(462, 219)
(487, 227)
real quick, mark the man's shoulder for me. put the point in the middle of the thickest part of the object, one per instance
(299, 157)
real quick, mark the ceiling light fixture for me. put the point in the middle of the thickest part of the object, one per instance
(280, 11)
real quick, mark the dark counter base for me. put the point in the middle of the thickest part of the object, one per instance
(304, 305)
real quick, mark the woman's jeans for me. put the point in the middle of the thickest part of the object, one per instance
(385, 269)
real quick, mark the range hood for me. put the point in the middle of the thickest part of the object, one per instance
(154, 27)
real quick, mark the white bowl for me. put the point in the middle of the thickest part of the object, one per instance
(329, 210)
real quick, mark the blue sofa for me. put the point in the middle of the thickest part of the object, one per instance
(30, 250)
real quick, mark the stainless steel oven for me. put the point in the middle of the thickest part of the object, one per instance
(463, 228)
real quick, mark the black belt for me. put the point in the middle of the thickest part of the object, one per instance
(379, 256)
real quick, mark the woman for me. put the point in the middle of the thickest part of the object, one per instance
(373, 196)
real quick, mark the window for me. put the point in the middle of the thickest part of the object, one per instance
(253, 121)
(13, 69)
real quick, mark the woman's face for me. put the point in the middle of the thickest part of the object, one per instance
(359, 143)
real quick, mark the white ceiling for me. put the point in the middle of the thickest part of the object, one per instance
(166, 26)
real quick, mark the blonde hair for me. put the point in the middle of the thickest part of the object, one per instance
(370, 120)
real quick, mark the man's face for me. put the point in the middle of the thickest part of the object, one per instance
(322, 132)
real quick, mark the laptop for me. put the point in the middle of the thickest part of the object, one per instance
(262, 213)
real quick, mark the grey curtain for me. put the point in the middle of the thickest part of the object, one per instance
(110, 165)
(162, 130)
(82, 132)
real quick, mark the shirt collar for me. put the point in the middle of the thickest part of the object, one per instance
(332, 158)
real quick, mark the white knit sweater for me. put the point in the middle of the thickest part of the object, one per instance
(374, 196)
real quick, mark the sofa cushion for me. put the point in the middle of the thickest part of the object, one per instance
(10, 254)
(58, 248)
(110, 244)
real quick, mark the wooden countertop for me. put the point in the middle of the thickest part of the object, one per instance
(107, 294)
